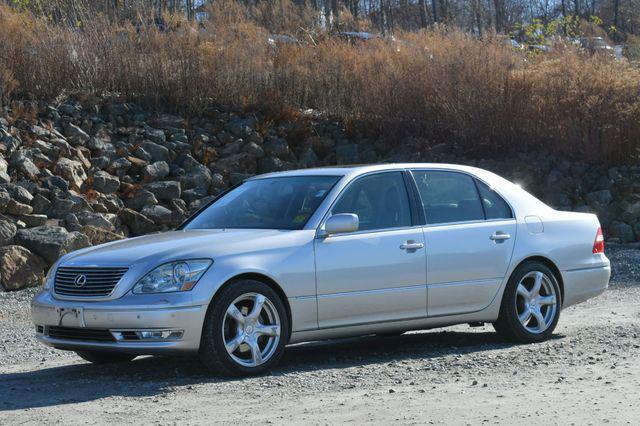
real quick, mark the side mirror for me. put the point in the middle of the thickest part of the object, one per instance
(341, 224)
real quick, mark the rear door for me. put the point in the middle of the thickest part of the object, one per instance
(469, 235)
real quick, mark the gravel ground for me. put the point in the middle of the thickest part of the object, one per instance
(588, 374)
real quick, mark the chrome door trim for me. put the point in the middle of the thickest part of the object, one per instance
(374, 291)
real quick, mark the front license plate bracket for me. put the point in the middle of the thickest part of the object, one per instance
(77, 313)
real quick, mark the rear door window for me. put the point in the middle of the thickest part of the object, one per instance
(448, 197)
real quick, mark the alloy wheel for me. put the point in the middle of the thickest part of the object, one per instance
(251, 329)
(536, 302)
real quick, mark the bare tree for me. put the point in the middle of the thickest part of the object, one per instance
(423, 13)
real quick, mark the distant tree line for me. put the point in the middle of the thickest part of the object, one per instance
(618, 18)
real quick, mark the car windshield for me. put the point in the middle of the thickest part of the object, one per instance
(269, 203)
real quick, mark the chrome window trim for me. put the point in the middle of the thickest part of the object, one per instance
(320, 228)
(320, 235)
(427, 224)
(467, 222)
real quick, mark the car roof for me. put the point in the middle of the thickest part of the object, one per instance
(356, 170)
(509, 190)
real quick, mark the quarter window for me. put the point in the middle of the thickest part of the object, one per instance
(379, 200)
(448, 196)
(494, 206)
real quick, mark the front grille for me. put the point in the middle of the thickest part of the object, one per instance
(96, 281)
(73, 333)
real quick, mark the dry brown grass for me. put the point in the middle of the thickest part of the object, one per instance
(439, 85)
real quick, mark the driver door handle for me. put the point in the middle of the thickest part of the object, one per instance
(411, 245)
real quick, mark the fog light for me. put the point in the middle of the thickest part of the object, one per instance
(159, 334)
(147, 335)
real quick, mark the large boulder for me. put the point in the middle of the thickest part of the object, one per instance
(105, 183)
(71, 203)
(276, 146)
(4, 166)
(622, 231)
(155, 151)
(599, 198)
(242, 162)
(270, 164)
(155, 135)
(160, 215)
(26, 167)
(15, 208)
(19, 268)
(4, 199)
(120, 166)
(140, 200)
(56, 182)
(165, 191)
(106, 221)
(156, 171)
(72, 171)
(138, 223)
(75, 135)
(99, 235)
(18, 193)
(32, 220)
(40, 204)
(51, 242)
(7, 231)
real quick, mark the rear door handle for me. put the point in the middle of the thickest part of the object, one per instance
(499, 236)
(411, 245)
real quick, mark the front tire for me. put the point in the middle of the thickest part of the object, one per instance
(245, 330)
(96, 357)
(530, 305)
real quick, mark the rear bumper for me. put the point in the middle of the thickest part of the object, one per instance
(47, 311)
(583, 284)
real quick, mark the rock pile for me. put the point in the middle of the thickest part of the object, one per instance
(72, 176)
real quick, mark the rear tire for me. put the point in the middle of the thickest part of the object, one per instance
(96, 357)
(245, 330)
(531, 304)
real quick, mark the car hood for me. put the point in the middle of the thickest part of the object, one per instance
(178, 245)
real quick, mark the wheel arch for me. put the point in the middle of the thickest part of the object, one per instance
(551, 265)
(265, 280)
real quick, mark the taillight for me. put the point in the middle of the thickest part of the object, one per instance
(598, 244)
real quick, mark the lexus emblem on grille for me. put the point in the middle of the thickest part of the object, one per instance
(80, 280)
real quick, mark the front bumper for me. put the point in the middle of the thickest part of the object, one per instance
(118, 319)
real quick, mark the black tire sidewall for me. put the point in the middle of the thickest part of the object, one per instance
(508, 322)
(212, 349)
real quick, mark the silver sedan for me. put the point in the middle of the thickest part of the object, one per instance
(326, 253)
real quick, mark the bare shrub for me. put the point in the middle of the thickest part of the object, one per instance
(441, 85)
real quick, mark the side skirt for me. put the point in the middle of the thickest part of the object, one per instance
(489, 314)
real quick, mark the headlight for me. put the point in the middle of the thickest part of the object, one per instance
(181, 275)
(48, 280)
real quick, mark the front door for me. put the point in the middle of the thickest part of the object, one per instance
(379, 272)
